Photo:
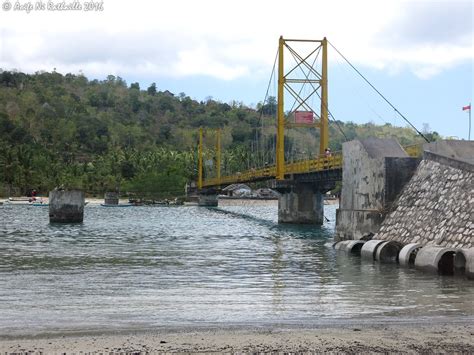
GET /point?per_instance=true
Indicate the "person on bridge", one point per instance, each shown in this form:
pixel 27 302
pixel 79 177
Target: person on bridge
pixel 327 155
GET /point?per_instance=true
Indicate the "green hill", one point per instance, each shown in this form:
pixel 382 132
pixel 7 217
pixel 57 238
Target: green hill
pixel 99 135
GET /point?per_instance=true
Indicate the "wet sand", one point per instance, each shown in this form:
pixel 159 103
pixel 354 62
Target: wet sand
pixel 375 338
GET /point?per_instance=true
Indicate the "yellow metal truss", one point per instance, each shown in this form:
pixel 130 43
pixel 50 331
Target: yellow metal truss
pixel 300 167
pixel 322 163
pixel 282 169
pixel 284 82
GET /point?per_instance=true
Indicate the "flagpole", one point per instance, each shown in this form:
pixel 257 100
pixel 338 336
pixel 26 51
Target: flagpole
pixel 470 109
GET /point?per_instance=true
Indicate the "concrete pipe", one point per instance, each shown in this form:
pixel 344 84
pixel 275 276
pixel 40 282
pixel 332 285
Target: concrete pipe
pixel 341 245
pixel 436 259
pixel 469 263
pixel 464 262
pixel 459 263
pixel 407 255
pixel 387 252
pixel 354 246
pixel 370 248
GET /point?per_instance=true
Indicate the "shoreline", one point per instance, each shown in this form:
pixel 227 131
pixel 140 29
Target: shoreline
pixel 446 335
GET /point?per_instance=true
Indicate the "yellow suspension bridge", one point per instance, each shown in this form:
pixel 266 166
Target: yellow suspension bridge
pixel 324 162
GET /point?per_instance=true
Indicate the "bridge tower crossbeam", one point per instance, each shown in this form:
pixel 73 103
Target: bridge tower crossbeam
pixel 284 82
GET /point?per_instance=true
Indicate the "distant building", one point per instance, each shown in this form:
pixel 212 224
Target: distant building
pixel 168 93
pixel 244 191
pixel 266 193
pixel 237 190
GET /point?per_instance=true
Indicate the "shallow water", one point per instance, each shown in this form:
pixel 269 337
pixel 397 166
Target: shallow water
pixel 190 266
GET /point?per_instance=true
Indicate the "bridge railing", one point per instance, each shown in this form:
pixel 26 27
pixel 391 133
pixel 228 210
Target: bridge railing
pixel 414 150
pixel 239 177
pixel 334 161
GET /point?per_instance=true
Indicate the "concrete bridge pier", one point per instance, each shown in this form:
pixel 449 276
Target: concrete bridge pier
pixel 208 197
pixel 301 204
pixel 301 196
pixel 66 206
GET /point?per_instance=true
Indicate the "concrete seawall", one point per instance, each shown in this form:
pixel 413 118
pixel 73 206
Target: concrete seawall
pixel 436 207
pixel 374 172
pixel 426 220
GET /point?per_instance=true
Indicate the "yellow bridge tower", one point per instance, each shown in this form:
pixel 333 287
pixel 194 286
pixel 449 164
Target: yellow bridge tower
pixel 320 81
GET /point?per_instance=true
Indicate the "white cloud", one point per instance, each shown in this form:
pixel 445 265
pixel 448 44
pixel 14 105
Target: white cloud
pixel 204 61
pixel 232 39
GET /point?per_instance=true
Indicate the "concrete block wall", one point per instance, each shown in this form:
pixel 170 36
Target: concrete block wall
pixel 374 172
pixel 437 206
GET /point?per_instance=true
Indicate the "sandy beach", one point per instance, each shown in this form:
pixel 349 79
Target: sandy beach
pixel 373 338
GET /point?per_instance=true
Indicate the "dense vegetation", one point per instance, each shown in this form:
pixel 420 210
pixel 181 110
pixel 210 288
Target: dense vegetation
pixel 104 135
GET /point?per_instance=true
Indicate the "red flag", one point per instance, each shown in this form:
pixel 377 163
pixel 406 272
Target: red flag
pixel 468 107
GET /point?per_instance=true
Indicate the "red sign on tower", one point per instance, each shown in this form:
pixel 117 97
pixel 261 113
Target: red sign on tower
pixel 305 117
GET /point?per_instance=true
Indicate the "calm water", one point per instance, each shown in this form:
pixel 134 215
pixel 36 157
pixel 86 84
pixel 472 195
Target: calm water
pixel 189 266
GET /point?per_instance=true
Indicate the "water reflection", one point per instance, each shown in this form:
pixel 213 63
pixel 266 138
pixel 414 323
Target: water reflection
pixel 162 266
pixel 278 281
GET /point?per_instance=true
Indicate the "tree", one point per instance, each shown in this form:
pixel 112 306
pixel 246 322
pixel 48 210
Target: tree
pixel 64 129
pixel 425 128
pixel 127 170
pixel 270 108
pixel 151 89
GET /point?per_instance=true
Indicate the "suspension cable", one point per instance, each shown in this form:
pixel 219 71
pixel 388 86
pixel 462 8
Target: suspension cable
pixel 261 110
pixel 380 94
pixel 302 86
pixel 334 119
pixel 327 108
pixel 356 92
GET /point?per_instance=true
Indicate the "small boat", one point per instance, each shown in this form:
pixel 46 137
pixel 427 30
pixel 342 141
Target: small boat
pixel 20 199
pixel 27 201
pixel 18 203
pixel 119 205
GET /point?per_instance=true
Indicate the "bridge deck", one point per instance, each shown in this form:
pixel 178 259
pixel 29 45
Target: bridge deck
pixel 323 163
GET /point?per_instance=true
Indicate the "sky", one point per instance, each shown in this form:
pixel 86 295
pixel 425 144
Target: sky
pixel 419 54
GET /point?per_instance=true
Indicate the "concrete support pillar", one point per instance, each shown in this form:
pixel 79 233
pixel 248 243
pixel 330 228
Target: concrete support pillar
pixel 301 204
pixel 111 198
pixel 66 206
pixel 207 200
pixel 374 172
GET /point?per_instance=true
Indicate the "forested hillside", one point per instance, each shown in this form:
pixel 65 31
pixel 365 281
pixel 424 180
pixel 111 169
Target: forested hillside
pixel 100 135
